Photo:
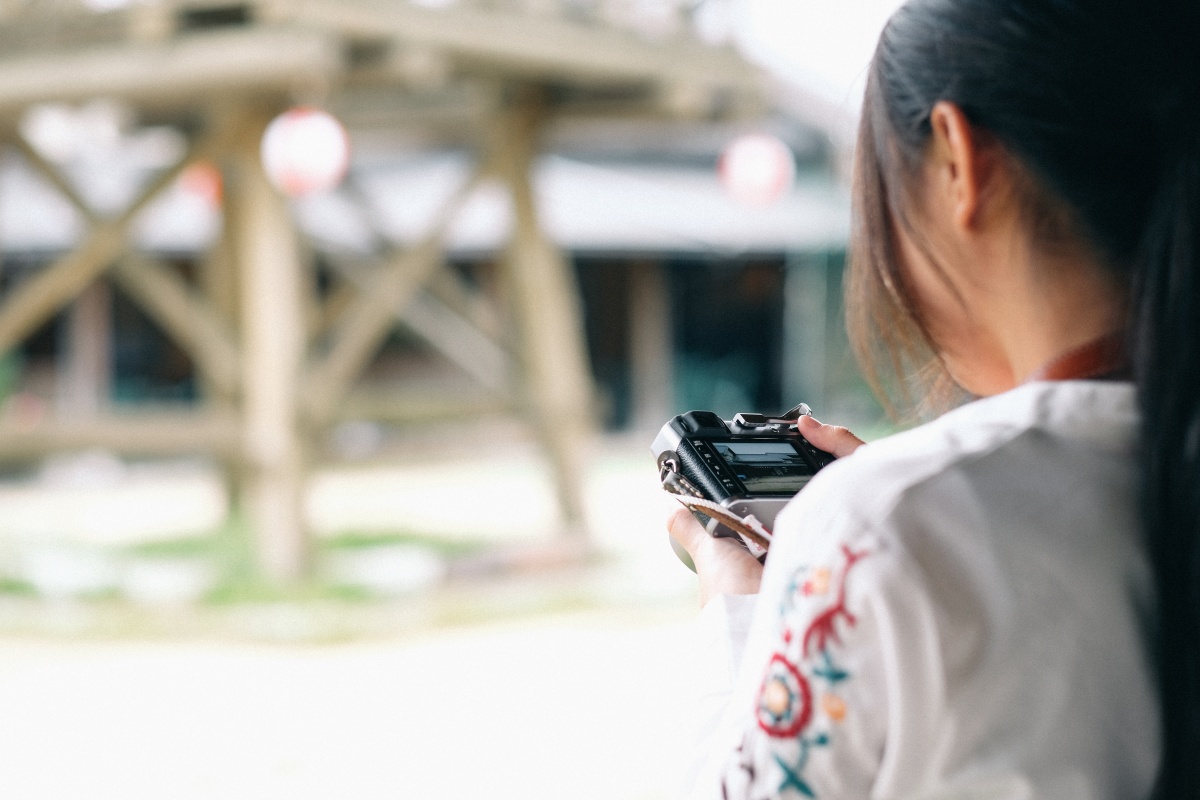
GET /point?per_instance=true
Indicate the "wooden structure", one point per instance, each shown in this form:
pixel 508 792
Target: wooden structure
pixel 488 76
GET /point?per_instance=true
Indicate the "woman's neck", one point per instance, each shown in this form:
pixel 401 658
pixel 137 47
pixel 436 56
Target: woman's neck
pixel 1064 310
pixel 1034 312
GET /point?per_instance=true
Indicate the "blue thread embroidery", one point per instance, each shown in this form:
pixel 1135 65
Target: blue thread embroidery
pixel 823 632
pixel 829 671
pixel 793 776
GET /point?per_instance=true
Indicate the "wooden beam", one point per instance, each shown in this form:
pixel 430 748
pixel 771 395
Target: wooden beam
pixel 184 314
pixel 50 173
pixel 539 45
pixel 471 304
pixel 405 407
pixel 458 339
pixel 174 71
pixel 40 297
pixel 335 306
pixel 146 434
pixel 366 323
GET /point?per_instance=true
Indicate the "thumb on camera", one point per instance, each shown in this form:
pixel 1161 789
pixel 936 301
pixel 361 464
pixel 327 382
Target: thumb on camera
pixel 831 438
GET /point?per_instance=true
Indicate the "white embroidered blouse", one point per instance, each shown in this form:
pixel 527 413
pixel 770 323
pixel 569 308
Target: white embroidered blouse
pixel 958 611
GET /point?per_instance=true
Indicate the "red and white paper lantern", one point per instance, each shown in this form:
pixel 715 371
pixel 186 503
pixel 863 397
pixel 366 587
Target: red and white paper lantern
pixel 757 169
pixel 305 151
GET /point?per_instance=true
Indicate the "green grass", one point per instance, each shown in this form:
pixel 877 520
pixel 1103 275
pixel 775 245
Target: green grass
pixel 253 590
pixel 205 546
pixel 358 540
pixel 16 587
pixel 334 611
pixel 230 548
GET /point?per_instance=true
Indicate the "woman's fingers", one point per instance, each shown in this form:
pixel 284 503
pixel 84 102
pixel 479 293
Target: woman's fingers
pixel 830 438
pixel 686 530
pixel 724 565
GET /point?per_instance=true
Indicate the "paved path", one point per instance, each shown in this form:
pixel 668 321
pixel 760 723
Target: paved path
pixel 566 707
pixel 569 708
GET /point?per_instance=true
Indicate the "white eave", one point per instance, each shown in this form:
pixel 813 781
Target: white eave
pixel 585 207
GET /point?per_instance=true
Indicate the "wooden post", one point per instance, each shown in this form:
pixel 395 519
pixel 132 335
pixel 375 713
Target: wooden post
pixel 650 345
pixel 219 280
pixel 805 329
pixel 545 301
pixel 220 283
pixel 273 343
pixel 85 366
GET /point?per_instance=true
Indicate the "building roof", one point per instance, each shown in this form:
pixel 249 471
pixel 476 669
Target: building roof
pixel 586 207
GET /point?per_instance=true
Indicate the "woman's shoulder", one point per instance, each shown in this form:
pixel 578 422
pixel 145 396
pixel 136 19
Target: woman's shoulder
pixel 983 562
pixel 987 449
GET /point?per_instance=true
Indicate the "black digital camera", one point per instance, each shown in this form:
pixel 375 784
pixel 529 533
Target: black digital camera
pixel 751 465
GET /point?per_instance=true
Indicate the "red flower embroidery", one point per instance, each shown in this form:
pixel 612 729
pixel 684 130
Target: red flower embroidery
pixel 785 702
pixel 823 629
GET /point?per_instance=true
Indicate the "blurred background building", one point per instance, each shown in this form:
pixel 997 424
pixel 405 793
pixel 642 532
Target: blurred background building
pixel 342 318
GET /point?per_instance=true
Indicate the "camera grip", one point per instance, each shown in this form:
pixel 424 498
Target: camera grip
pixel 694 470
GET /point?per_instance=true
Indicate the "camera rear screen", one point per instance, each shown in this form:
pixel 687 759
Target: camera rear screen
pixel 766 467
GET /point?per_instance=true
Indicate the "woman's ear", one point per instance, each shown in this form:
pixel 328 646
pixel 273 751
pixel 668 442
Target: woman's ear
pixel 956 164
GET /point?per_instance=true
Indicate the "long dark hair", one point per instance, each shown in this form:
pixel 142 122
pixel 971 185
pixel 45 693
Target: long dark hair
pixel 1098 103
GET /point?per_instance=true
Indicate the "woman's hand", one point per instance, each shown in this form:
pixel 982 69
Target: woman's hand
pixel 724 565
pixel 832 439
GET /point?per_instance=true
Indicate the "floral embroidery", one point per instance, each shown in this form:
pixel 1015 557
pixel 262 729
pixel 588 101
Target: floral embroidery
pixel 830 671
pixel 833 706
pixel 743 763
pixel 823 629
pixel 785 700
pixel 803 677
pixel 818 584
pixel 793 776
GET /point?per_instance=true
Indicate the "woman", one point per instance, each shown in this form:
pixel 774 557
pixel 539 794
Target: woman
pixel 1004 602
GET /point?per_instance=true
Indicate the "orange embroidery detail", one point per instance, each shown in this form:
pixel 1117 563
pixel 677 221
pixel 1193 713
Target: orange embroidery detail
pixel 818 584
pixel 834 707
